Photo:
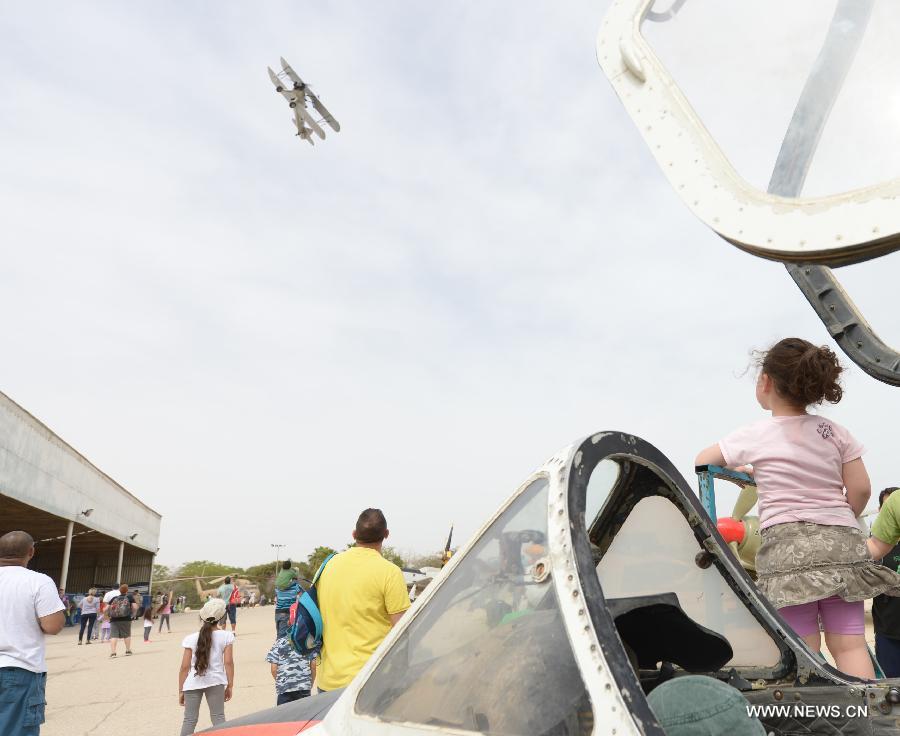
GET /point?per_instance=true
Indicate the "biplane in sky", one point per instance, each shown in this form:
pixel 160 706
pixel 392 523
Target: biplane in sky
pixel 298 93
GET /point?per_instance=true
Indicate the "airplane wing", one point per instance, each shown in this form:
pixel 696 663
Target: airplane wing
pixel 279 85
pixel 291 73
pixel 307 118
pixel 322 110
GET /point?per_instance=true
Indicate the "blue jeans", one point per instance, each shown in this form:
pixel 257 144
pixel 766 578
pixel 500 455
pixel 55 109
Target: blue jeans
pixel 887 652
pixel 21 701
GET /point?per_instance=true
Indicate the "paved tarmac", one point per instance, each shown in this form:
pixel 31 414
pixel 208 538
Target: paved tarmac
pixel 90 693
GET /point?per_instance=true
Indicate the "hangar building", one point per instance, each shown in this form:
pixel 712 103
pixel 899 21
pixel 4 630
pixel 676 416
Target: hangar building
pixel 88 530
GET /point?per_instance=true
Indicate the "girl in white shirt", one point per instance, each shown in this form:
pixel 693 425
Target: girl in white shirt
pixel 148 623
pixel 207 667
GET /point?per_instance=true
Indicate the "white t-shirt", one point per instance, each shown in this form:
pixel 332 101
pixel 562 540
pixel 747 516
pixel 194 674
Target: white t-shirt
pixel 215 672
pixel 25 596
pixel 111 594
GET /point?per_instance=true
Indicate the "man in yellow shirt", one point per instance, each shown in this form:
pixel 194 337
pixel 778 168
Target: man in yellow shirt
pixel 361 596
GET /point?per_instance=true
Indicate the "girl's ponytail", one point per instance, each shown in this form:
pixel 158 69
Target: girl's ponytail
pixel 803 373
pixel 204 644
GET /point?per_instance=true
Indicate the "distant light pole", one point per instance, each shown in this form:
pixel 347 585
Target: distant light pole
pixel 277 554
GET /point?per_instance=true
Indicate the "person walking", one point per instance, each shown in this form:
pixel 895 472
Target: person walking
pixel 30 607
pixel 90 604
pixel 361 596
pixel 231 595
pixel 165 610
pixel 207 668
pixel 287 588
pixel 120 610
pixel 813 563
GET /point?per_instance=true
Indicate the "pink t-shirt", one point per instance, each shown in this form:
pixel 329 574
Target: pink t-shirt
pixel 797 463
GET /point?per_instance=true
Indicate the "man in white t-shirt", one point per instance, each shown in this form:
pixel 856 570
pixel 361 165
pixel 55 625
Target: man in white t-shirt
pixel 29 608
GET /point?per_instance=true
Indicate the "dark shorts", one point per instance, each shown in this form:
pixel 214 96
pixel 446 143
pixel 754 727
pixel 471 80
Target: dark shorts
pixel 21 701
pixel 120 629
pixel 887 651
pixel 291 696
pixel 231 611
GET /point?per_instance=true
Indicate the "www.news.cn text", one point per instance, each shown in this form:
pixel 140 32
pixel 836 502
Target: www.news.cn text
pixel 805 711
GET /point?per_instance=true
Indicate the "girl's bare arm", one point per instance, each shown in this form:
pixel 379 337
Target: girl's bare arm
pixel 229 671
pixel 183 672
pixel 712 455
pixel 858 485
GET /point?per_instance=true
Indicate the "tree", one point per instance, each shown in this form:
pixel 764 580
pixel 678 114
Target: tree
pixel 161 572
pixel 391 555
pixel 432 560
pixel 316 558
pixel 205 570
pixel 264 576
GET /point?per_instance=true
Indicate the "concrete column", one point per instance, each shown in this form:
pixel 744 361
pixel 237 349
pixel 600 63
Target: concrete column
pixel 119 566
pixel 64 574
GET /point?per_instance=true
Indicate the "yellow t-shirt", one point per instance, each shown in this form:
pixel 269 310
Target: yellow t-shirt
pixel 358 591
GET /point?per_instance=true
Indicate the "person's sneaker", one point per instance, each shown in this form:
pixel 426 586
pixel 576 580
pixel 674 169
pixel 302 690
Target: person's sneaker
pixel 87 642
pixel 127 652
pixel 79 643
pixel 113 654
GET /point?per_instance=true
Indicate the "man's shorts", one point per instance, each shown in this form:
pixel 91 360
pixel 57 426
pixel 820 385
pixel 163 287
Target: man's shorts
pixel 120 629
pixel 22 701
pixel 231 610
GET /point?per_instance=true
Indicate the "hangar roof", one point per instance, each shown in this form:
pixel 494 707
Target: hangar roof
pixel 40 470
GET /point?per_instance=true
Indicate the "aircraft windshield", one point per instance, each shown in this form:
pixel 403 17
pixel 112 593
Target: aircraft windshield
pixel 489 653
pixel 654 552
pixel 743 66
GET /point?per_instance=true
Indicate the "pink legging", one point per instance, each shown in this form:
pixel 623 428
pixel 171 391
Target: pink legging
pixel 838 616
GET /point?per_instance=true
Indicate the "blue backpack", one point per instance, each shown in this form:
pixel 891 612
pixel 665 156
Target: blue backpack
pixel 305 633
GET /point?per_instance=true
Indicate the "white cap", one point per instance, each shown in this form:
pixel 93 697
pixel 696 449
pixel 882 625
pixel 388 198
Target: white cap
pixel 213 610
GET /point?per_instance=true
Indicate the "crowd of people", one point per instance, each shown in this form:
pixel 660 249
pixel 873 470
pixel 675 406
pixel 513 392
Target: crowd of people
pixel 815 564
pixel 360 596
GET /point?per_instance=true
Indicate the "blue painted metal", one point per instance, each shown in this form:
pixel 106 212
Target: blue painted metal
pixel 706 475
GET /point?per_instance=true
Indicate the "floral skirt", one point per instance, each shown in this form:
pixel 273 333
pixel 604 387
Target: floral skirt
pixel 800 562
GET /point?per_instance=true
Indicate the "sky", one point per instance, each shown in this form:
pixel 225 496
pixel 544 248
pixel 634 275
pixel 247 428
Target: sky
pixel 259 338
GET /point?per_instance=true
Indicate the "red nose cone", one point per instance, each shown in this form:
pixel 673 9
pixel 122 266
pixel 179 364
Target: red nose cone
pixel 731 530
